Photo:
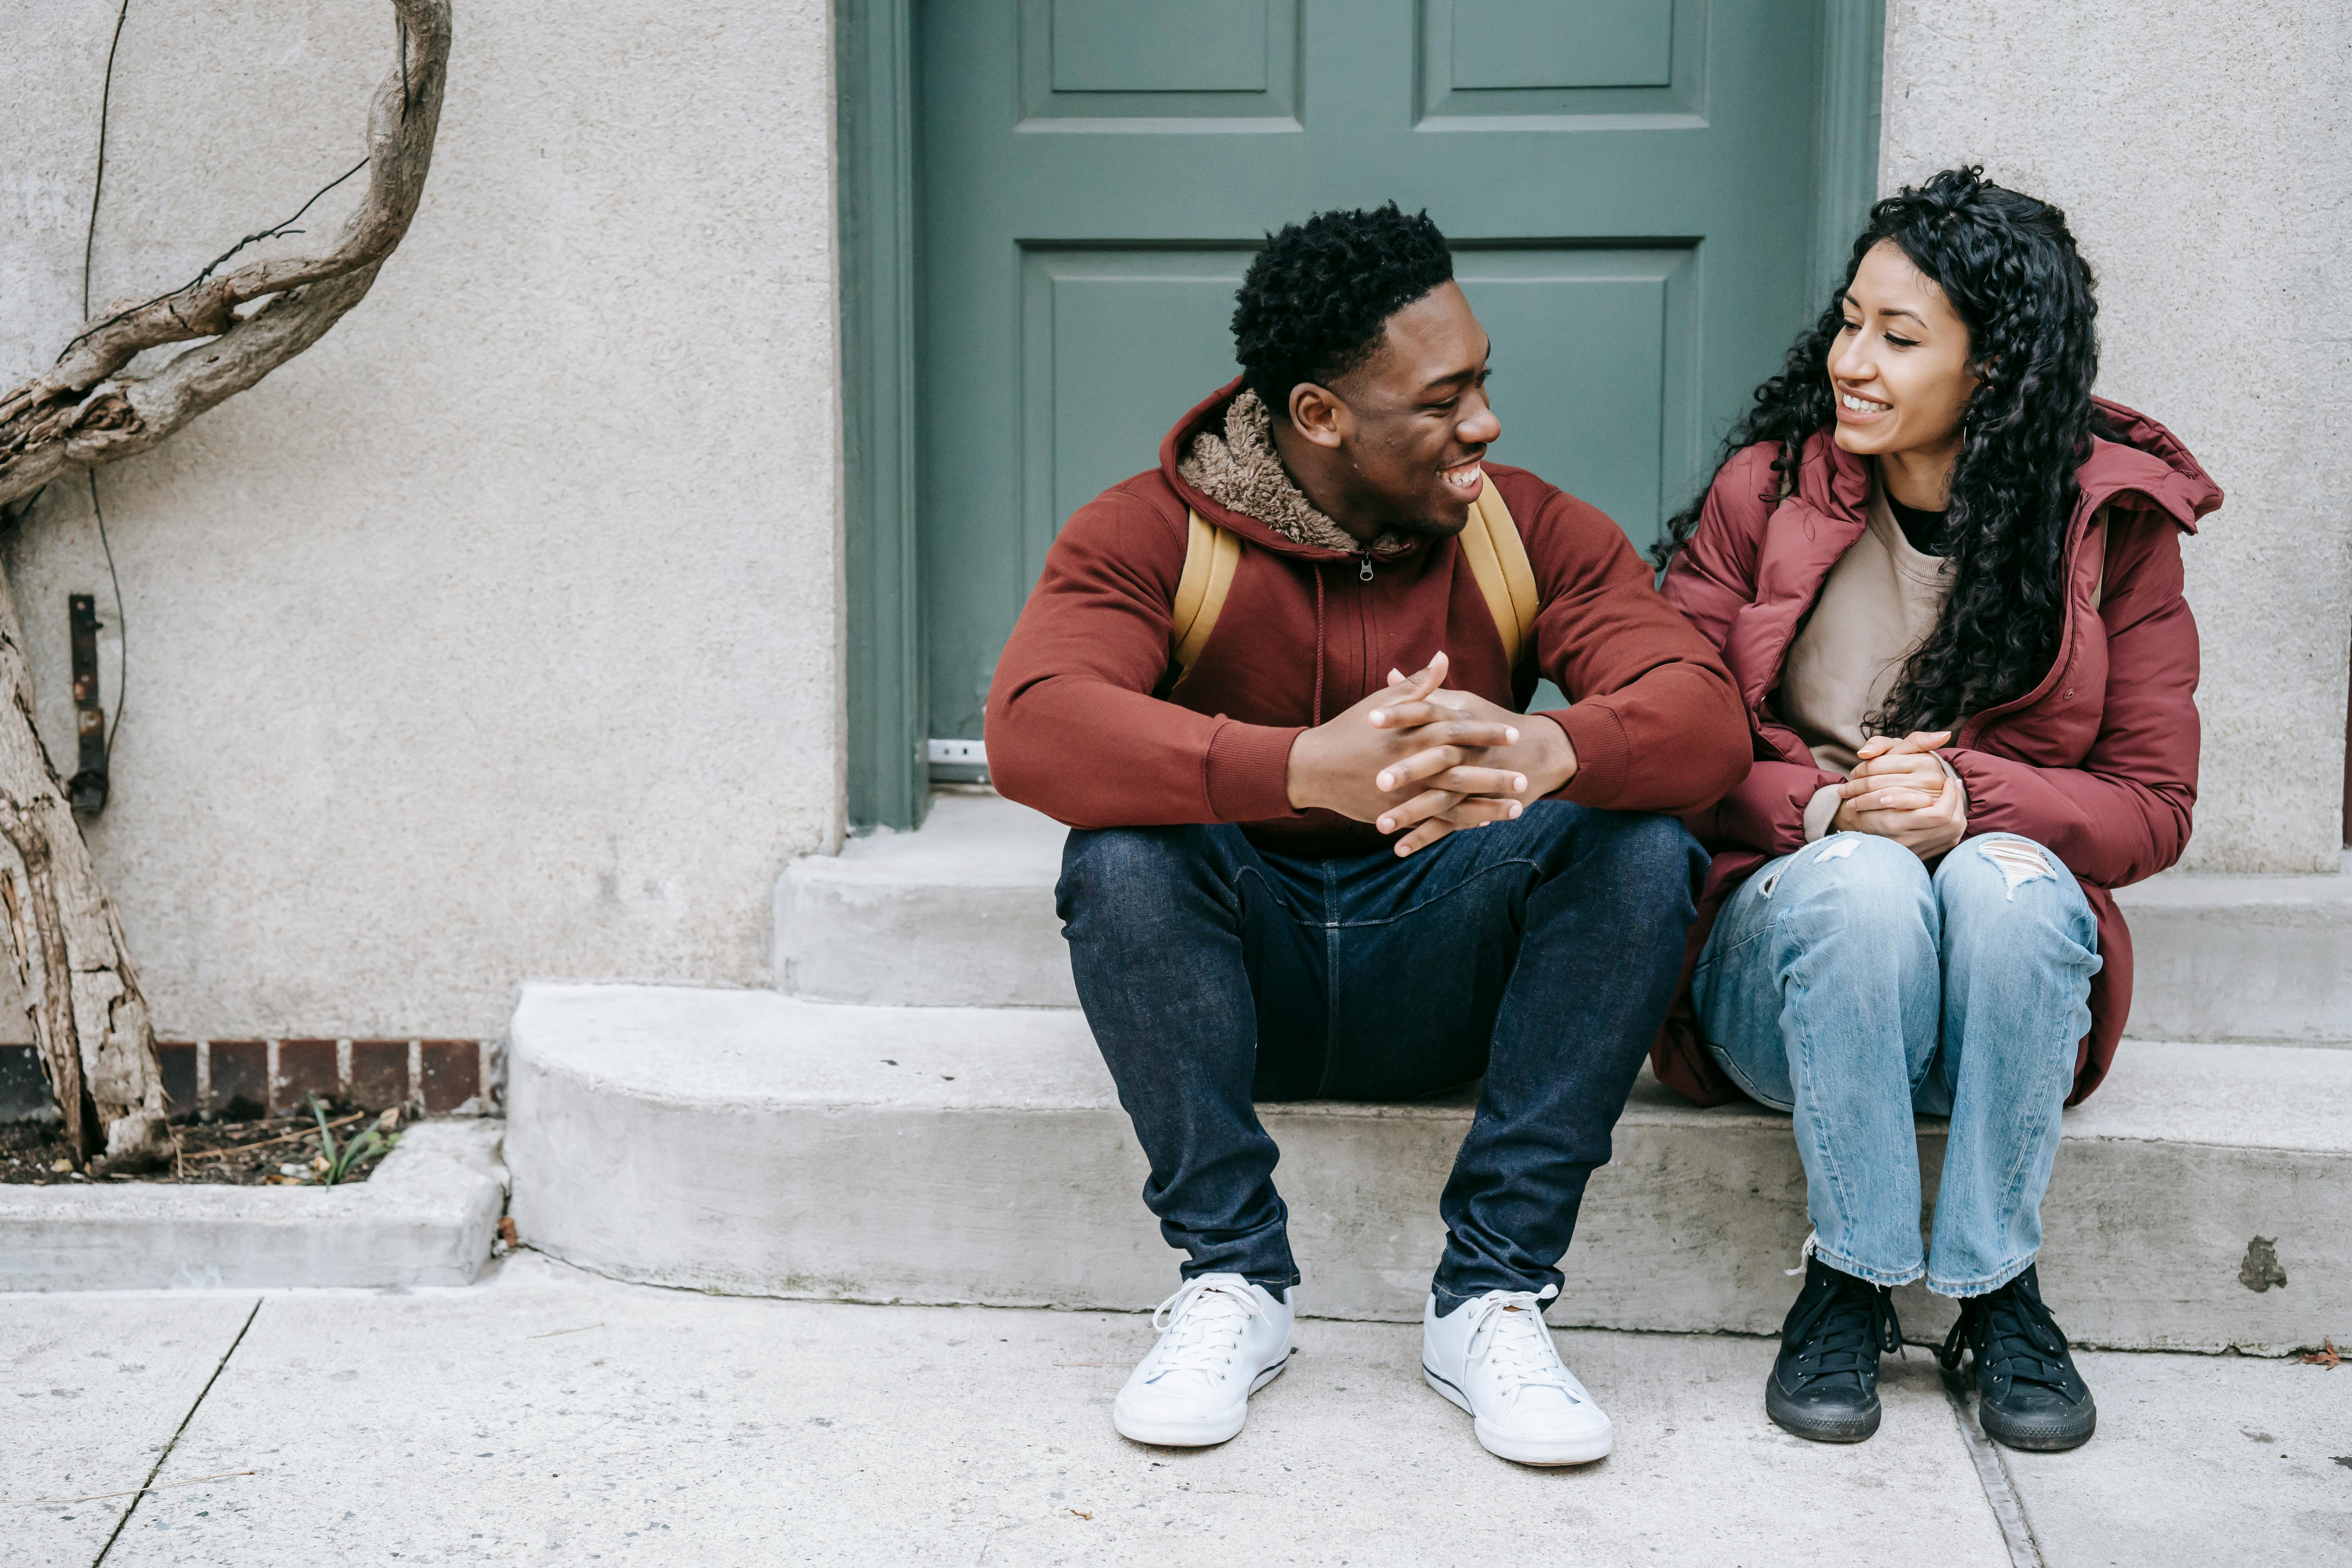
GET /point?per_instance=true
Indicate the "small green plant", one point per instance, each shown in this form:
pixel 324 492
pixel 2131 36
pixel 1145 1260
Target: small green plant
pixel 336 1162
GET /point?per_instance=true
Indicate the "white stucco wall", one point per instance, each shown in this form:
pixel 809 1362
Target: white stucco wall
pixel 2202 150
pixel 498 636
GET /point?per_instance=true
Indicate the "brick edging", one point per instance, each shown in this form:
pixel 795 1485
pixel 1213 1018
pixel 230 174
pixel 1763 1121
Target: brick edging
pixel 276 1076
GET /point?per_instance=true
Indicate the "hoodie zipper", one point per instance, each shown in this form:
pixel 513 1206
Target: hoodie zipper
pixel 1364 567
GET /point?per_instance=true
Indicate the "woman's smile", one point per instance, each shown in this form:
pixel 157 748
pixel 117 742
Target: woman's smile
pixel 1853 408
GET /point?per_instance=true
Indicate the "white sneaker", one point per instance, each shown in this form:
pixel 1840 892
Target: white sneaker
pixel 1495 1358
pixel 1222 1340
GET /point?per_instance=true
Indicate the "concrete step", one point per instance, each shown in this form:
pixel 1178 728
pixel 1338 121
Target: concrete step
pixel 960 914
pixel 2242 958
pixel 426 1216
pixel 752 1144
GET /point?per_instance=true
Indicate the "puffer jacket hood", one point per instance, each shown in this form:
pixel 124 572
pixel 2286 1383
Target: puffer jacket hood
pixel 2148 470
pixel 2150 465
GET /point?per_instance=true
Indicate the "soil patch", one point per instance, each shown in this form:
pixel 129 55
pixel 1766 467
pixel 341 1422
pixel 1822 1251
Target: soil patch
pixel 214 1154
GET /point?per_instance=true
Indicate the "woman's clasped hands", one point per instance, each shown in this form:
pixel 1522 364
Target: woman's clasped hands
pixel 1900 790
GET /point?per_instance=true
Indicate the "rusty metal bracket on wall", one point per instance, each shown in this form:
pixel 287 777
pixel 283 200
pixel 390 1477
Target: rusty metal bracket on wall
pixel 86 788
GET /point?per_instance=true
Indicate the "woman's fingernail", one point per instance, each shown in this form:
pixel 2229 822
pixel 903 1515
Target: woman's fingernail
pixel 1511 736
pixel 1386 825
pixel 1519 781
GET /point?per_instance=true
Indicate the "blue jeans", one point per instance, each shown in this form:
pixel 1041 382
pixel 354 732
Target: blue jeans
pixel 1540 953
pixel 1848 985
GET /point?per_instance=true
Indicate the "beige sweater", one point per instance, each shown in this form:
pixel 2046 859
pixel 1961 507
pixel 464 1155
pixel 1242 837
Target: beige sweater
pixel 1876 606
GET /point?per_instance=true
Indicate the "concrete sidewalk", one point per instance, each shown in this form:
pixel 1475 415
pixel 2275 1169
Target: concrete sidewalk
pixel 550 1416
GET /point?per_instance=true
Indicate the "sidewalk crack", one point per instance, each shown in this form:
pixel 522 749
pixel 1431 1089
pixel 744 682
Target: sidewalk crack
pixel 2008 1508
pixel 144 1487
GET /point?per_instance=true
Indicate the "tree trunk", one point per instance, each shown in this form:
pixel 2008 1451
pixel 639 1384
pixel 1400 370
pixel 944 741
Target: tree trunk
pixel 90 1024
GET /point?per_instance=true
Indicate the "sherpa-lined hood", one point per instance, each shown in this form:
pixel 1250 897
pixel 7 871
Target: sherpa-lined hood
pixel 1220 459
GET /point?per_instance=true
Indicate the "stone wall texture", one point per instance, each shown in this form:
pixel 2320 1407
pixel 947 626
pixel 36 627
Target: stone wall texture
pixel 2202 150
pixel 499 635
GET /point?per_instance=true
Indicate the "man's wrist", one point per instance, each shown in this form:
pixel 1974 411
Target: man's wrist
pixel 1296 773
pixel 1555 763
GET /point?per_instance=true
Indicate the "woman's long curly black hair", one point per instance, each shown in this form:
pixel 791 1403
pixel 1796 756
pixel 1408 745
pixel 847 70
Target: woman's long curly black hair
pixel 2007 264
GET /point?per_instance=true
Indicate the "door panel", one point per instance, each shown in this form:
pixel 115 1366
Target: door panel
pixel 1592 369
pixel 1098 61
pixel 1111 342
pixel 1158 45
pixel 1554 44
pixel 1627 183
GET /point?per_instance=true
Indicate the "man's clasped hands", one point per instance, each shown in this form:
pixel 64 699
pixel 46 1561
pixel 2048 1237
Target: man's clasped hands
pixel 1417 758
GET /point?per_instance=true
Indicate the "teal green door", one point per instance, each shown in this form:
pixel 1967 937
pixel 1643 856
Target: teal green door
pixel 1628 186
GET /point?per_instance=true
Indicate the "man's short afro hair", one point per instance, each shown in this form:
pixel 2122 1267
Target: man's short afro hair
pixel 1315 301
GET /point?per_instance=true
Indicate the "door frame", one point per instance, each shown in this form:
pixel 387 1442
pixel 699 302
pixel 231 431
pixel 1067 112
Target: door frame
pixel 875 48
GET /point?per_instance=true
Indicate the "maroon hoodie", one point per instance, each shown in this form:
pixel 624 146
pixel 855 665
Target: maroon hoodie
pixel 2097 763
pixel 1085 724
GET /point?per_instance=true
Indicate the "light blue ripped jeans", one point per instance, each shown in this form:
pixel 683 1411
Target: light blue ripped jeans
pixel 1847 986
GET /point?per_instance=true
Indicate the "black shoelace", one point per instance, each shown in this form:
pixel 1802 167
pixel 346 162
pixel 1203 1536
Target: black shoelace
pixel 1844 1330
pixel 2014 1337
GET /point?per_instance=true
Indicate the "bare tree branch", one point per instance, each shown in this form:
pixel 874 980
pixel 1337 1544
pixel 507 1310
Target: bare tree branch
pixel 90 1021
pixel 84 410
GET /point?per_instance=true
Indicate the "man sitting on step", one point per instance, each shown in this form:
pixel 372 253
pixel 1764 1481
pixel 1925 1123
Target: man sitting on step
pixel 1265 892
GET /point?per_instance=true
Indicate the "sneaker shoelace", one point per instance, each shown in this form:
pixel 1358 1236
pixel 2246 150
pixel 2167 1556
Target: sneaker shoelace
pixel 1508 1333
pixel 1202 1325
pixel 1844 1330
pixel 2014 1336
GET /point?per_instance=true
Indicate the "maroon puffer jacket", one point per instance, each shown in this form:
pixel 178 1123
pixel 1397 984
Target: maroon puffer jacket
pixel 2097 763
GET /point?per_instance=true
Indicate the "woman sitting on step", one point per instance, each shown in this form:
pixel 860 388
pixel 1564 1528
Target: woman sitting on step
pixel 1947 580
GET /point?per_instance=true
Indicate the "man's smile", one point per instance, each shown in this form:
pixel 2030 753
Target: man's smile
pixel 1467 479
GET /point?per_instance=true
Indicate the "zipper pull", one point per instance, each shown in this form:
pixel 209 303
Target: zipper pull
pixel 1364 569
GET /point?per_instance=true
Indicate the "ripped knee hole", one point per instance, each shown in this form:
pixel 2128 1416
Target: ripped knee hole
pixel 2019 862
pixel 1834 848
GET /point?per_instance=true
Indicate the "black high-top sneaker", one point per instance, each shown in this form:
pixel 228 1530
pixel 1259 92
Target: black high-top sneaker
pixel 1824 1383
pixel 2029 1394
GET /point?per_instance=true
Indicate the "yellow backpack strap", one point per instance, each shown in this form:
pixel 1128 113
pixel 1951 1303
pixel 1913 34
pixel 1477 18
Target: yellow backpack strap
pixel 1210 554
pixel 1498 560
